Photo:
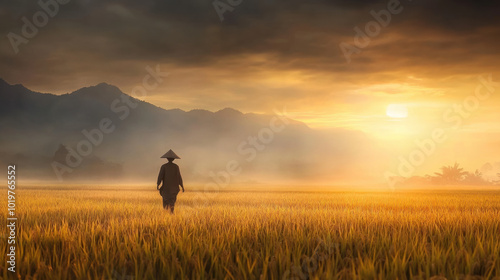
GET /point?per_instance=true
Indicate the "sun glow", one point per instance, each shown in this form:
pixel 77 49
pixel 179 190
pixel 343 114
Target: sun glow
pixel 397 111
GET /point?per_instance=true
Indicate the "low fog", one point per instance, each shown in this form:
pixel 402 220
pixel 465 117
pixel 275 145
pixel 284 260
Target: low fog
pixel 99 133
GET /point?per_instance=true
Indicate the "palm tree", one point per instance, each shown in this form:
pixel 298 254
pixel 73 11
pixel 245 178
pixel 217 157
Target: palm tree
pixel 451 174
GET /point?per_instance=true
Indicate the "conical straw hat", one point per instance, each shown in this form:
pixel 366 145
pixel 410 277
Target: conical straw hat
pixel 170 154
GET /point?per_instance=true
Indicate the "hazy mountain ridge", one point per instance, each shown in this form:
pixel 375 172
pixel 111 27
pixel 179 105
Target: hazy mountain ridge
pixel 38 123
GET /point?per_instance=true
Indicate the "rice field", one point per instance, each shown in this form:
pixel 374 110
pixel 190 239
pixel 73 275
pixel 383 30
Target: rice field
pixel 89 233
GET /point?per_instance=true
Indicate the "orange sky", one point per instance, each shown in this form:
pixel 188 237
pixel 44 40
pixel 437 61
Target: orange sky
pixel 272 55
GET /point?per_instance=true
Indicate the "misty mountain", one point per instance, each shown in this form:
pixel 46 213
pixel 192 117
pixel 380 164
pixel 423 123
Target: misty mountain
pixel 110 130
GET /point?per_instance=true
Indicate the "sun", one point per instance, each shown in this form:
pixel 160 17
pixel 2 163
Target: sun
pixel 397 111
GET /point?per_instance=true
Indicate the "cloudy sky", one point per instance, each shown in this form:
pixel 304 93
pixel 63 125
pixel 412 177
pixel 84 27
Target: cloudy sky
pixel 257 55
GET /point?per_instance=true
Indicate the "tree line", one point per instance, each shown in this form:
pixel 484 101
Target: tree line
pixel 453 175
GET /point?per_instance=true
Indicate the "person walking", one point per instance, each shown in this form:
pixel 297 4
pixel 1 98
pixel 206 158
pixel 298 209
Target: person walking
pixel 170 178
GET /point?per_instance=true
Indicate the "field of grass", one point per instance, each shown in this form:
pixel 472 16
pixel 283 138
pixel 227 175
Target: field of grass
pixel 125 234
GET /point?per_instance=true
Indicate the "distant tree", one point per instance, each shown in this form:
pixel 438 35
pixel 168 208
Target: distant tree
pixel 451 174
pixel 475 178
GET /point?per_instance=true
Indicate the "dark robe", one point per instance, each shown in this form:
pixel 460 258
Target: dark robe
pixel 170 175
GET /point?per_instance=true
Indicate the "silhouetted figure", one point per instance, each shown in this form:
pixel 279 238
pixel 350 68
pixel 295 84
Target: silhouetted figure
pixel 170 175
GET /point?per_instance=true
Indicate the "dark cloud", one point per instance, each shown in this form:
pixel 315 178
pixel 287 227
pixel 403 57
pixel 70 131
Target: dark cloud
pixel 89 39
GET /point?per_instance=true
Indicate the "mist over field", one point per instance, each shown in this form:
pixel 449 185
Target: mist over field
pixel 100 134
pixel 107 135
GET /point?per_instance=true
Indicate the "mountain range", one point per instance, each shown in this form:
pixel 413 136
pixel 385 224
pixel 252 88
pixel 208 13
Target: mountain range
pixel 99 132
